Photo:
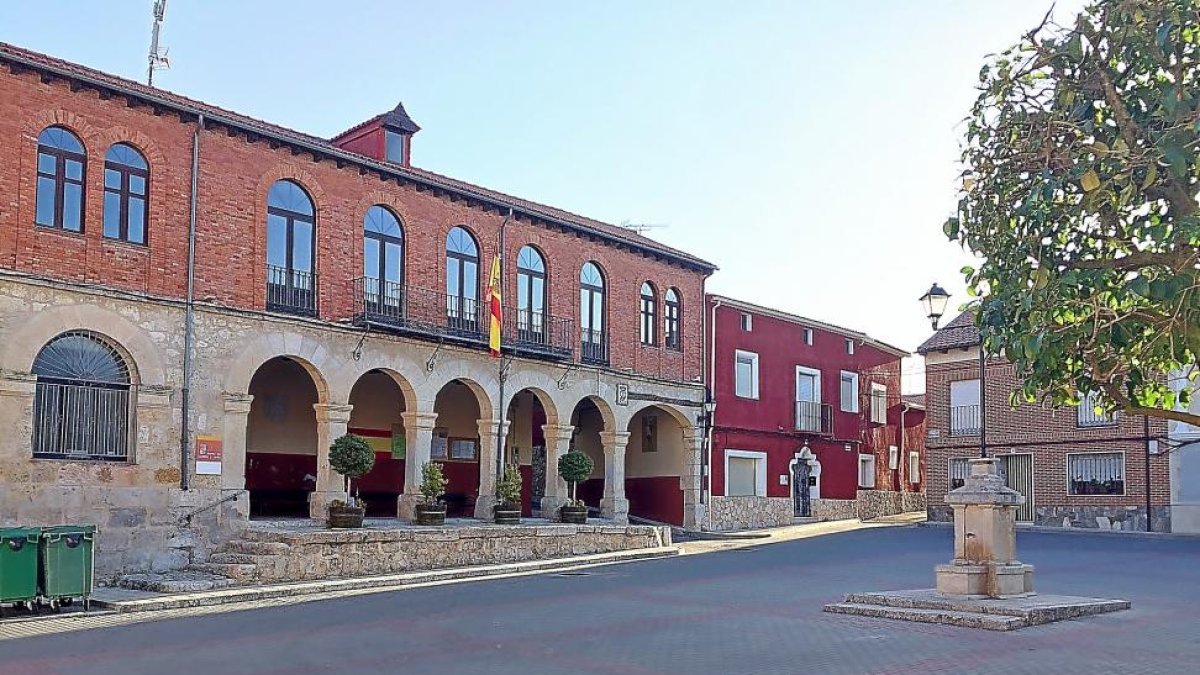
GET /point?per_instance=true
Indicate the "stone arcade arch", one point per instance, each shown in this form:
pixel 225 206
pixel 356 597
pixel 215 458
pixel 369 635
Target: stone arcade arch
pixel 378 404
pixel 531 442
pixel 282 440
pixel 657 459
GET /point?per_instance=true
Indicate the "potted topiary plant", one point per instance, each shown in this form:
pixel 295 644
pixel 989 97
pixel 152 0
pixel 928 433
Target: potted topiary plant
pixel 508 497
pixel 433 485
pixel 574 467
pixel 352 457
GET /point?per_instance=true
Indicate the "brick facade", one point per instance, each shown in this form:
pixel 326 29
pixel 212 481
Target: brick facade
pixel 1049 435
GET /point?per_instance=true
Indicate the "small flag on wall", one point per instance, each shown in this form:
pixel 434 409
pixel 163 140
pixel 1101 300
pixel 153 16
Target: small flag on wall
pixel 494 308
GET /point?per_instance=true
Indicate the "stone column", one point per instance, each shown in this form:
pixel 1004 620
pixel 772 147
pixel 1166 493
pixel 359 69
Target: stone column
pixel 558 441
pixel 332 419
pixel 691 479
pixel 614 504
pixel 418 441
pixel 487 466
pixel 985 538
pixel 233 447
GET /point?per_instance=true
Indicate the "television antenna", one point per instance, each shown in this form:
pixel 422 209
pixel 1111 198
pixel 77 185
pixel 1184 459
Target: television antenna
pixel 641 228
pixel 156 59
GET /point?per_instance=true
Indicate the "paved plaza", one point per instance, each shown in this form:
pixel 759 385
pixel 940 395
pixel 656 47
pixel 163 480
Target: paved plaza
pixel 745 610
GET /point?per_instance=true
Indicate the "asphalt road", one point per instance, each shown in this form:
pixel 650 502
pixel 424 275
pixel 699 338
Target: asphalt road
pixel 752 610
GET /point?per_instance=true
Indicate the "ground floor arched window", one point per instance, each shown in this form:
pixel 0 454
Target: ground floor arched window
pixel 81 402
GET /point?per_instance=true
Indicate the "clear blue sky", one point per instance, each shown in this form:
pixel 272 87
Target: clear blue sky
pixel 807 148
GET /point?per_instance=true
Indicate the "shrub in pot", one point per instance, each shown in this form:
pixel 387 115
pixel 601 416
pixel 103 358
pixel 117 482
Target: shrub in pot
pixel 433 485
pixel 352 457
pixel 574 467
pixel 508 496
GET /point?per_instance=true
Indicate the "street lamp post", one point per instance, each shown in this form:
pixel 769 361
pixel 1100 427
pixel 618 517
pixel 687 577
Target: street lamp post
pixel 935 301
pixel 705 420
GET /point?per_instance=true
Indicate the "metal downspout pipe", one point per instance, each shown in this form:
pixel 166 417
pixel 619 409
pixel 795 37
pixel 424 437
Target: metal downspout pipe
pixel 189 328
pixel 712 421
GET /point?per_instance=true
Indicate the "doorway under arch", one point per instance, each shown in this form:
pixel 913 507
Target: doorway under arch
pixel 281 440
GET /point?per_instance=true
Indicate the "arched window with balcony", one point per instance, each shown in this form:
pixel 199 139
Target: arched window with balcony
pixel 531 295
pixel 383 262
pixel 81 399
pixel 594 337
pixel 291 248
pixel 648 315
pixel 462 281
pixel 126 194
pixel 672 313
pixel 61 166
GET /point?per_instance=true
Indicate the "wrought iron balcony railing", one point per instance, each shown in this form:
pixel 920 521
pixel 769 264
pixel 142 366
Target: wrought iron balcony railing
pixel 291 291
pixel 420 311
pixel 964 420
pixel 593 347
pixel 814 417
pixel 537 333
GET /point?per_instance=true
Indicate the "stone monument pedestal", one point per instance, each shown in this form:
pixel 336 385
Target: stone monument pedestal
pixel 984 586
pixel 985 561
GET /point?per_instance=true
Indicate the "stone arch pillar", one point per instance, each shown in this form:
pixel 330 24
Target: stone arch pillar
pixel 487 466
pixel 233 473
pixel 332 419
pixel 419 424
pixel 614 504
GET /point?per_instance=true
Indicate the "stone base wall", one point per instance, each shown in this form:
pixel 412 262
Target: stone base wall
pixel 324 554
pixel 879 503
pixel 834 509
pixel 1117 518
pixel 749 513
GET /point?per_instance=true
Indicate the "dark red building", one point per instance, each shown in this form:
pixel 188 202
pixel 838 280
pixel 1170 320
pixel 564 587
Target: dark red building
pixel 790 391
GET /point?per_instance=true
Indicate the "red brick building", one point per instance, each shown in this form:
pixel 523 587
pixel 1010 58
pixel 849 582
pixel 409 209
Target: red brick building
pixel 1076 467
pixel 180 274
pixel 801 399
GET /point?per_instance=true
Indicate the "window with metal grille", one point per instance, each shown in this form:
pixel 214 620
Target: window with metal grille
pixel 959 470
pixel 81 400
pixel 1096 473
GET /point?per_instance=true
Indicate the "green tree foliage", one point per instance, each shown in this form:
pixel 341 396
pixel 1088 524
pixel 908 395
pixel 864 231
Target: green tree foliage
pixel 351 456
pixel 1080 196
pixel 508 488
pixel 575 467
pixel 433 482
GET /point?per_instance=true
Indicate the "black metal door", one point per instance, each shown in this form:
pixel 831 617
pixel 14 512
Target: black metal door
pixel 800 492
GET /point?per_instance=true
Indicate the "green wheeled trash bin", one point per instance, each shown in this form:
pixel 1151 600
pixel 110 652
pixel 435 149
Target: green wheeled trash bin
pixel 67 561
pixel 19 565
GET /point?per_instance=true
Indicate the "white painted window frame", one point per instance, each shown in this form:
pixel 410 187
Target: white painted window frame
pixel 879 416
pixel 853 395
pixel 914 467
pixel 864 458
pixel 760 470
pixel 1124 472
pixel 753 356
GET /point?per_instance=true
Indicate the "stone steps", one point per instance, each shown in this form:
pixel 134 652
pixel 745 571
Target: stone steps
pixel 231 558
pixel 181 581
pixel 947 617
pixel 256 547
pixel 927 606
pixel 238 573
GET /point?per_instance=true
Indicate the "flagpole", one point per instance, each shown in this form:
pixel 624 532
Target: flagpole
pixel 500 353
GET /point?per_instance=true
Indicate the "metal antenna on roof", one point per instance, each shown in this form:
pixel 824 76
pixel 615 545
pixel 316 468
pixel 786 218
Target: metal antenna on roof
pixel 157 60
pixel 640 228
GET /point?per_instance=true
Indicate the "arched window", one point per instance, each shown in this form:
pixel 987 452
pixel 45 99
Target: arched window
pixel 462 280
pixel 649 315
pixel 594 346
pixel 81 400
pixel 531 295
pixel 60 170
pixel 126 186
pixel 291 284
pixel 672 316
pixel 383 260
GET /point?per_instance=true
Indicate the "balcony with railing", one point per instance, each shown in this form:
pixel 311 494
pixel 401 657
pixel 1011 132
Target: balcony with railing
pixel 1087 416
pixel 538 334
pixel 429 314
pixel 593 347
pixel 964 420
pixel 814 417
pixel 291 291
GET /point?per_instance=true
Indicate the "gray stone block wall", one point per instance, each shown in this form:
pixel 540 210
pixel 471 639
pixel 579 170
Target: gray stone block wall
pixel 879 503
pixel 749 513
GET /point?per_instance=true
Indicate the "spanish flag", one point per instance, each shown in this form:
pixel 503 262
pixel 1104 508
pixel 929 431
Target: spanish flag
pixel 494 308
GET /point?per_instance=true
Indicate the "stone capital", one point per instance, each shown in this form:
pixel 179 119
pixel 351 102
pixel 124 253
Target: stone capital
pixel 419 420
pixel 238 404
pixel 488 428
pixel 150 396
pixel 613 438
pixel 333 412
pixel 559 434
